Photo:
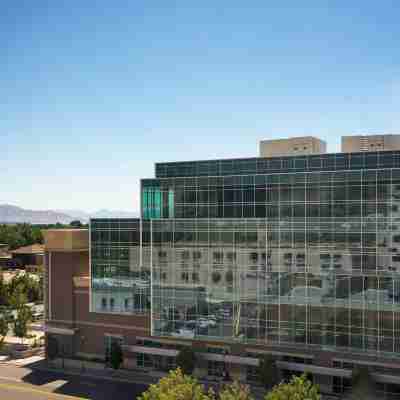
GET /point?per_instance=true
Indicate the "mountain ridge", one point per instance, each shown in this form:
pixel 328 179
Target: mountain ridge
pixel 13 214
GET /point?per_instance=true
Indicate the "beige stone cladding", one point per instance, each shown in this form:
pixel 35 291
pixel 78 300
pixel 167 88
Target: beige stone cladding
pixel 292 146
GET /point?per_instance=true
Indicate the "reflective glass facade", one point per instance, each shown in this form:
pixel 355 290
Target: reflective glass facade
pixel 300 250
pixel 120 265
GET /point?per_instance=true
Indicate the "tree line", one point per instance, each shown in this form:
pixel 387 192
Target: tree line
pixel 19 235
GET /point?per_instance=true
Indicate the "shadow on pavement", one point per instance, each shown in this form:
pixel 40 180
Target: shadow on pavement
pixel 81 386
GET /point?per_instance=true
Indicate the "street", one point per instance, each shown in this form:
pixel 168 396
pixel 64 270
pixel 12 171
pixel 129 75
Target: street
pixel 17 383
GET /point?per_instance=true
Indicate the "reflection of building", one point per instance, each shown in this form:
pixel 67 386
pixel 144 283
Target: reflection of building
pixel 351 144
pixel 297 256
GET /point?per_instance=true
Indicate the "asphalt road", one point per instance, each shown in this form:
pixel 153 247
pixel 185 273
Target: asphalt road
pixel 21 383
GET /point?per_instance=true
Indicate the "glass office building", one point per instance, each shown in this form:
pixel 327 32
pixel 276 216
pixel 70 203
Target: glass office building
pixel 298 250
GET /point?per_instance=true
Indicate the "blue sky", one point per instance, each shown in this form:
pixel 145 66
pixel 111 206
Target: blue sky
pixel 93 95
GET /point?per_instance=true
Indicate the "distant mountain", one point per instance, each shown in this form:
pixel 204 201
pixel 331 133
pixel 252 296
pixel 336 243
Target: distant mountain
pixel 84 216
pixel 12 214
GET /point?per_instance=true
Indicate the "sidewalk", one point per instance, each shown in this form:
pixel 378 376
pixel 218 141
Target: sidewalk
pixel 127 376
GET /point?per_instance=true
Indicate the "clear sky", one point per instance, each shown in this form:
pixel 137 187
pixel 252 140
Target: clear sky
pixel 93 95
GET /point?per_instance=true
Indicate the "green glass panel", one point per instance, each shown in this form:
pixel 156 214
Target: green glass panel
pixel 171 211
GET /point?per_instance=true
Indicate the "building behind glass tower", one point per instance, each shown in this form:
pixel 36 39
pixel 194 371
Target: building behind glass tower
pixel 297 255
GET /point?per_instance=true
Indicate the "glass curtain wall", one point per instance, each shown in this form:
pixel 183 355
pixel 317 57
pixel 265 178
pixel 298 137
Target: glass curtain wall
pixel 322 267
pixel 120 266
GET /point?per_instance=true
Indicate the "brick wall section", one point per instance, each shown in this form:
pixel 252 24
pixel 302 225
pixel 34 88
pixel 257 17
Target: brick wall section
pixel 70 306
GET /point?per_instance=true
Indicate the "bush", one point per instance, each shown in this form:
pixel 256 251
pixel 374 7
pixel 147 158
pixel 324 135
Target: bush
pixel 235 391
pixel 3 328
pixel 177 386
pixel 299 388
pixel 267 371
pixel 186 360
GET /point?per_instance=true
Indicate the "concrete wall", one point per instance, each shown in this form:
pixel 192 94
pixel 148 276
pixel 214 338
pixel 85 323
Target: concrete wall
pixel 292 146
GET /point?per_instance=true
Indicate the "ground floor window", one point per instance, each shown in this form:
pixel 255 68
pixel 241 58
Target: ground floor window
pixel 108 341
pixel 216 368
pixel 252 373
pixel 387 391
pixel 144 360
pixel 159 363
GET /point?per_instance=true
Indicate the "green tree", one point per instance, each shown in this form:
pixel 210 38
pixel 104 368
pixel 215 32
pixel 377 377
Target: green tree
pixel 24 316
pixel 299 388
pixel 3 328
pixel 26 286
pixel 235 391
pixel 363 387
pixel 186 360
pixel 20 235
pixel 177 386
pixel 116 355
pixel 52 347
pixel 267 371
pixel 4 298
pixel 76 223
pixel 17 295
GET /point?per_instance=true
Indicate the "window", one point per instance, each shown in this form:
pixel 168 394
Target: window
pixel 126 303
pixel 112 303
pixel 108 341
pixel 216 368
pixel 253 257
pixel 252 374
pixel 185 276
pixel 103 303
pixel 218 257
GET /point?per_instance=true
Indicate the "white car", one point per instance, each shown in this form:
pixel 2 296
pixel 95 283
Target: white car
pixel 185 333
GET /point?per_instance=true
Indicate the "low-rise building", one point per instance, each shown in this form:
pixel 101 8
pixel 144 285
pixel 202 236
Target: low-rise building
pixel 29 255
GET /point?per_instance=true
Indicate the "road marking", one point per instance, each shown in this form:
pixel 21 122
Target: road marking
pixel 34 390
pixel 55 384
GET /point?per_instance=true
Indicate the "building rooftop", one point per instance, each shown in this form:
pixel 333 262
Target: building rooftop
pixel 32 249
pixel 281 164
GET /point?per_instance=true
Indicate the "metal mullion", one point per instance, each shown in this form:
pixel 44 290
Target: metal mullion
pixel 279 263
pixel 362 260
pixel 391 261
pixel 151 280
pixel 267 274
pixel 306 259
pixel 376 265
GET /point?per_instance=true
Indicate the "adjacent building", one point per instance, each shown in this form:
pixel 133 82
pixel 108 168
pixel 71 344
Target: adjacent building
pixel 372 143
pixel 292 146
pixel 297 256
pixel 29 256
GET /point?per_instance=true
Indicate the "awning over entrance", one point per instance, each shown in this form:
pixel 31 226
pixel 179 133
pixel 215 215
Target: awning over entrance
pixel 314 369
pixel 230 359
pixel 152 350
pixel 59 331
